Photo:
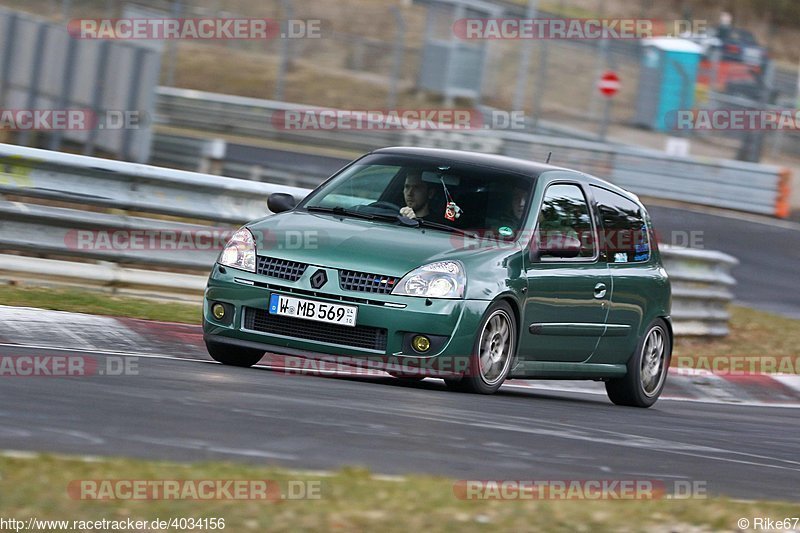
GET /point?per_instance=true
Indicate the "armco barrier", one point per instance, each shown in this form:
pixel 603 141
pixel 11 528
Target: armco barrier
pixel 197 154
pixel 138 196
pixel 729 184
pixel 701 290
pixel 100 182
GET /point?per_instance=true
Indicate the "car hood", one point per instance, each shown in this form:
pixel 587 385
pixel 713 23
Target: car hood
pixel 356 244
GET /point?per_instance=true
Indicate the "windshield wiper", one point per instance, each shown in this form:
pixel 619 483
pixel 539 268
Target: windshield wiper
pixel 445 227
pixel 344 212
pixel 340 211
pixel 412 222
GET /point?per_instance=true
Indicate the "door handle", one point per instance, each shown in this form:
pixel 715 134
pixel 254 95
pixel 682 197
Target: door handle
pixel 600 290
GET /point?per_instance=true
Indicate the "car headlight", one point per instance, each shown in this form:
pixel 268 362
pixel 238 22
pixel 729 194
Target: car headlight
pixel 240 251
pixel 443 279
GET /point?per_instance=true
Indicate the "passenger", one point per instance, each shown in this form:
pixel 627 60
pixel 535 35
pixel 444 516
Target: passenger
pixel 508 222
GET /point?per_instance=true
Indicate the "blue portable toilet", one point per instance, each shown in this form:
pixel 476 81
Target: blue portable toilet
pixel 667 81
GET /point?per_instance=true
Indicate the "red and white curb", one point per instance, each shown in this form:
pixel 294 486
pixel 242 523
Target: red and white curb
pixel 46 329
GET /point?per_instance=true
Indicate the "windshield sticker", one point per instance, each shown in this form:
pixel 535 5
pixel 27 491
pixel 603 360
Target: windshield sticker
pixel 505 231
pixel 621 257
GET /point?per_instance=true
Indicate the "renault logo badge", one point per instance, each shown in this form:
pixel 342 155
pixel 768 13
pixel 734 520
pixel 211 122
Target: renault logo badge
pixel 319 279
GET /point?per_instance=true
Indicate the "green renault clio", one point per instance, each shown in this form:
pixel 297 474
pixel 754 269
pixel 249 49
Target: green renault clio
pixel 469 267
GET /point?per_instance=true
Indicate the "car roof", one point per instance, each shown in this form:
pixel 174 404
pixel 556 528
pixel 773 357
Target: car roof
pixel 503 163
pixel 499 162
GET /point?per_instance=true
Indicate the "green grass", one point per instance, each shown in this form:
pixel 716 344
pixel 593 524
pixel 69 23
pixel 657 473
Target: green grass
pixel 753 334
pixel 99 303
pixel 349 500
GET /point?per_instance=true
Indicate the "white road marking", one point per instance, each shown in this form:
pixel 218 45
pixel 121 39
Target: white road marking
pixel 788 380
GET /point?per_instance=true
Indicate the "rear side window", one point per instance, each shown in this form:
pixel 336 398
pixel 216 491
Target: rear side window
pixel 624 234
pixel 565 213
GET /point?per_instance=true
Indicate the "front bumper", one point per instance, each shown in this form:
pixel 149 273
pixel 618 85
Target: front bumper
pixel 452 322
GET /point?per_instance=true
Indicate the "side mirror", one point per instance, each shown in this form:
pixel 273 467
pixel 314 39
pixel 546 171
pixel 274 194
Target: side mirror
pixel 562 246
pixel 278 202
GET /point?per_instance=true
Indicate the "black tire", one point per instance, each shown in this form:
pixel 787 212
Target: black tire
pixel 231 356
pixel 475 379
pixel 634 391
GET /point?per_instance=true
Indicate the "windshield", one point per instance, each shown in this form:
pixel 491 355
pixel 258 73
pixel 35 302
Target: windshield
pixel 440 194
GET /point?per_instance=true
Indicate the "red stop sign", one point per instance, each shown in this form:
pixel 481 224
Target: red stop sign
pixel 609 83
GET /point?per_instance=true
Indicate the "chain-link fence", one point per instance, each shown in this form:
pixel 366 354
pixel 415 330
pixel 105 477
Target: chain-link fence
pixel 373 55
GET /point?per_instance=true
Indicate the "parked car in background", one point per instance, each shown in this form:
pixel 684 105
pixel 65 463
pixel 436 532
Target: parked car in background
pixel 734 44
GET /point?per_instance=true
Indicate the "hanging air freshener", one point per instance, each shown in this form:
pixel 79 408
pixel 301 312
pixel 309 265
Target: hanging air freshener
pixel 451 210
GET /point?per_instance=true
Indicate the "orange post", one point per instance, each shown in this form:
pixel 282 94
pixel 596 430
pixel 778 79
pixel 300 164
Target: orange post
pixel 782 205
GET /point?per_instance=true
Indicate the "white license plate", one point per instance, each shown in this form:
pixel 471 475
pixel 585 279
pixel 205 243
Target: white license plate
pixel 344 315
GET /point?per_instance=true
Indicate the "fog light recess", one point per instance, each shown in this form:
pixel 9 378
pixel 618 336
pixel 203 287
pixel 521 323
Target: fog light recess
pixel 421 343
pixel 218 310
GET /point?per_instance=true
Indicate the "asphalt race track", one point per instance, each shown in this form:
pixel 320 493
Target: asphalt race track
pixel 188 410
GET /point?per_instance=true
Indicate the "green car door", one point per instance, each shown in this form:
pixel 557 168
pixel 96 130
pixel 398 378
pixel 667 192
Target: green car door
pixel 641 286
pixel 568 288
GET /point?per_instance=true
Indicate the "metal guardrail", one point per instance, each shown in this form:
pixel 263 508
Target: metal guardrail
pixel 139 196
pixel 209 156
pixel 701 290
pixel 63 232
pixel 253 117
pixel 35 173
pixel 749 187
pixel 105 276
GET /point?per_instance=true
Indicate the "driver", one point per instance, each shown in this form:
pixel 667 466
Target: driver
pixel 417 195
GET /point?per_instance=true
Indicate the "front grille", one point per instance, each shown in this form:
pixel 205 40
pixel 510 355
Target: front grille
pixel 351 280
pixel 280 268
pixel 365 337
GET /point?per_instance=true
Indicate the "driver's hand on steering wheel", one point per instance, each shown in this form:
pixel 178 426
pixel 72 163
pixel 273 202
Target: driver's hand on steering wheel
pixel 408 212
